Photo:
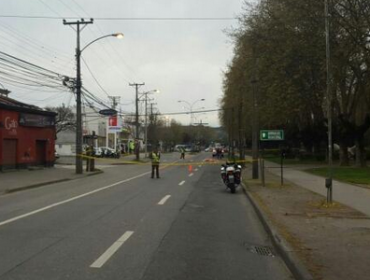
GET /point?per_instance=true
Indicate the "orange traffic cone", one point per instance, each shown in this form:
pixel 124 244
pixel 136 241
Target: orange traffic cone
pixel 190 168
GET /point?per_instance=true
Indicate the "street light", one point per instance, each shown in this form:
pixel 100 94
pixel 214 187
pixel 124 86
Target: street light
pixel 191 105
pixel 117 35
pixel 79 166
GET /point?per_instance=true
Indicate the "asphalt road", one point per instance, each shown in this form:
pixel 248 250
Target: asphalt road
pixel 124 225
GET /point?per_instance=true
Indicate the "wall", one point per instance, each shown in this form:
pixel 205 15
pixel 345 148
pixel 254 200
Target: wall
pixel 26 137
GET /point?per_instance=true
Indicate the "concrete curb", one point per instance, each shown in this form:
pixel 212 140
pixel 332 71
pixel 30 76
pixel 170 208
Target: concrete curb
pixel 286 252
pixel 33 186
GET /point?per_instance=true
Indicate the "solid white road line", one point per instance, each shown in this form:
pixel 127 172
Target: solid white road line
pixel 69 200
pixel 181 183
pixel 191 174
pixel 163 200
pixel 111 250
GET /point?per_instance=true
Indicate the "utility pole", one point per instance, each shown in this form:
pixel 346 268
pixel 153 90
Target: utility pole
pixel 146 123
pixel 232 135
pixel 254 121
pixel 79 167
pixel 137 148
pixel 115 100
pixel 329 180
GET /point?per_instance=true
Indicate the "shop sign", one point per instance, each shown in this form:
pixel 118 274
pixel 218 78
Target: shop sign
pixel 36 120
pixel 11 125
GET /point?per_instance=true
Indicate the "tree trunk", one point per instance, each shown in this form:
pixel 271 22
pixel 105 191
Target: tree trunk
pixel 343 155
pixel 360 152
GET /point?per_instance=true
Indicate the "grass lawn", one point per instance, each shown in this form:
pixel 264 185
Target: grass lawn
pixel 345 174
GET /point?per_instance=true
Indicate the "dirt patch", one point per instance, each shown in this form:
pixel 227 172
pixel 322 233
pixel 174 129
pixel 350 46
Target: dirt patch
pixel 333 241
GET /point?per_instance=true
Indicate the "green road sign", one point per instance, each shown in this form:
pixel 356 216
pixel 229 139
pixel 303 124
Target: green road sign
pixel 272 135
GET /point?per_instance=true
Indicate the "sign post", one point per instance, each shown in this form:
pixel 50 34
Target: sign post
pixel 274 135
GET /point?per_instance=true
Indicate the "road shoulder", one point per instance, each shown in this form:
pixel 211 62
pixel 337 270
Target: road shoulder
pixel 315 241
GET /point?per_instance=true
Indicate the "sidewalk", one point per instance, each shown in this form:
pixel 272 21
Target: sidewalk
pixel 333 243
pixel 351 195
pixel 70 160
pixel 17 180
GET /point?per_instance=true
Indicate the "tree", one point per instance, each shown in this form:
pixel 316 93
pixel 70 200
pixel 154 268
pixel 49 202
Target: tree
pixel 65 120
pixel 280 49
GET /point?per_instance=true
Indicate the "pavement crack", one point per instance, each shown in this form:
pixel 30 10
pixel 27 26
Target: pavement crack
pixel 31 257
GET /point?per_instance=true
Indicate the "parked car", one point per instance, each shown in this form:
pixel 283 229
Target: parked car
pixel 109 152
pixel 98 152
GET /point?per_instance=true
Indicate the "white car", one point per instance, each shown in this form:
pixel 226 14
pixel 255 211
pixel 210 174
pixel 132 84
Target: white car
pixel 98 152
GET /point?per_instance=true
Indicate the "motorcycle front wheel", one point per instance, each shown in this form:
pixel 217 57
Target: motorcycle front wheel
pixel 232 188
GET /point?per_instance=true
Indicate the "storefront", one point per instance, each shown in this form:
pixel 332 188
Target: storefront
pixel 27 135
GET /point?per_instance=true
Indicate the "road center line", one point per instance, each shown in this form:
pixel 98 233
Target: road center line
pixel 163 200
pixel 191 174
pixel 181 183
pixel 111 250
pixel 70 199
pixel 74 198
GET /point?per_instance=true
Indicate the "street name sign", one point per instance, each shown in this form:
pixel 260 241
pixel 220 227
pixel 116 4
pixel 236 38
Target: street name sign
pixel 272 135
pixel 108 112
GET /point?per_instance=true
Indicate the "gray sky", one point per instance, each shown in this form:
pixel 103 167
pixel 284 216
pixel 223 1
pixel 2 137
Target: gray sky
pixel 183 59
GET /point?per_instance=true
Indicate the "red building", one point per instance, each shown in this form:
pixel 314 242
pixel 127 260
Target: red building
pixel 27 135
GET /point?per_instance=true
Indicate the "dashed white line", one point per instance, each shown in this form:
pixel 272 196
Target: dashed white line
pixel 191 174
pixel 111 250
pixel 196 169
pixel 181 183
pixel 163 200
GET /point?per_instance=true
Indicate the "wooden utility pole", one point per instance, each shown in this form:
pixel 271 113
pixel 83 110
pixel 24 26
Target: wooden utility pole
pixel 137 135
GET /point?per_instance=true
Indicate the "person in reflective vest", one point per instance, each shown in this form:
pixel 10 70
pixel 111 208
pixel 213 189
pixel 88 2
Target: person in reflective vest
pixel 182 151
pixel 132 147
pixel 155 156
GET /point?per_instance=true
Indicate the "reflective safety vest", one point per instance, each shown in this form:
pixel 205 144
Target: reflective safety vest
pixel 155 157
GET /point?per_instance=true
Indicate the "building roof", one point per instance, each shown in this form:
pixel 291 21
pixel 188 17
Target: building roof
pixel 14 105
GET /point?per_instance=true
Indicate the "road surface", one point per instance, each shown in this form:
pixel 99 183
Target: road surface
pixel 124 225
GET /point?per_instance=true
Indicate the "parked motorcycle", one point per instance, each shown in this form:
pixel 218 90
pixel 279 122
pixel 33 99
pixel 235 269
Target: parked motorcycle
pixel 231 175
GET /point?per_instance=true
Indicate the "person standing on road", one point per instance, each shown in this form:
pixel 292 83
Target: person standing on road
pixel 155 156
pixel 182 150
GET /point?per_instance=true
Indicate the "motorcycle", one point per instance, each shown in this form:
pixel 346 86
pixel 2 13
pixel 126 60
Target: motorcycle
pixel 231 175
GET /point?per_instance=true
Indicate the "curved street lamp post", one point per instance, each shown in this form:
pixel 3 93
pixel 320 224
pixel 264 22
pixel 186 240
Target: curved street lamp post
pixel 79 166
pixel 191 105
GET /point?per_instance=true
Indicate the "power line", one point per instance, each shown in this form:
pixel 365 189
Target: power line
pixel 178 113
pixel 127 18
pixel 95 79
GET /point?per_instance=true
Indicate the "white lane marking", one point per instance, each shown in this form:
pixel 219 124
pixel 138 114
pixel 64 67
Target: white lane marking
pixel 199 166
pixel 111 250
pixel 196 169
pixel 69 200
pixel 181 183
pixel 191 174
pixel 163 200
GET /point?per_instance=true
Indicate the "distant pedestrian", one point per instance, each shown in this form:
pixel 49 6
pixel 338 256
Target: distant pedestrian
pixel 182 151
pixel 131 147
pixel 155 156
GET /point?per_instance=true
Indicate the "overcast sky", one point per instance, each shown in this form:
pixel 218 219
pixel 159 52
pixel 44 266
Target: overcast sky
pixel 183 59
